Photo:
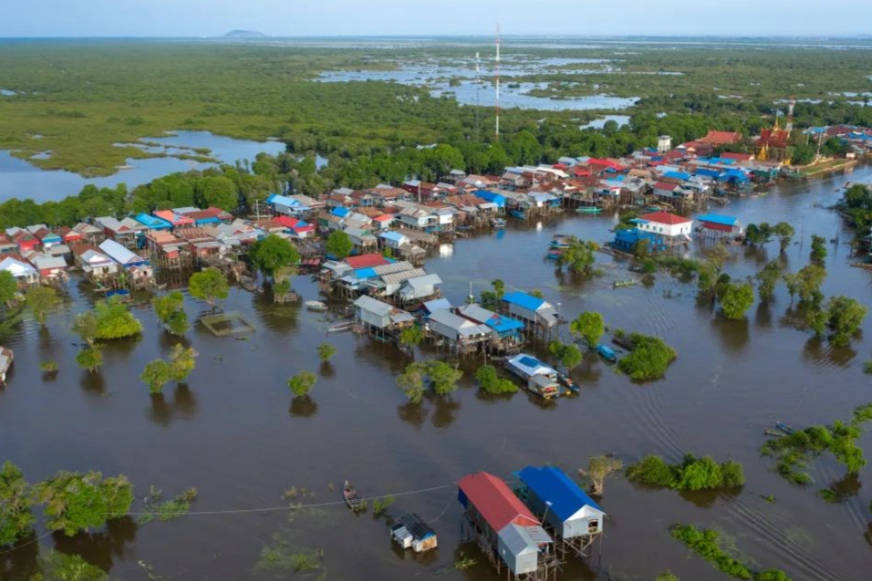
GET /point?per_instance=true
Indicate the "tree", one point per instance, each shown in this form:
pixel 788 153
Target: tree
pixel 90 358
pixel 411 381
pixel 169 310
pixel 578 256
pixel 115 321
pixel 598 468
pixel 339 245
pixel 326 351
pixel 767 278
pixel 499 288
pixel 806 283
pixel 785 233
pixel 443 376
pixel 844 318
pixel 666 576
pixel 648 359
pixel 16 518
pixel 758 234
pixel 182 362
pixel 208 285
pixel 568 355
pixel 302 383
pixel 58 566
pixel 272 253
pixel 411 337
pixel 490 382
pixel 77 502
pixel 85 326
pixel 818 252
pixel 8 287
pixel 40 300
pixel 590 326
pixel 156 374
pixel 219 191
pixel 736 299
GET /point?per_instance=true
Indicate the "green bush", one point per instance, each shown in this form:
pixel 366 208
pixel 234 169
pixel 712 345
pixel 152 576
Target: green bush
pixel 490 382
pixel 648 359
pixel 692 474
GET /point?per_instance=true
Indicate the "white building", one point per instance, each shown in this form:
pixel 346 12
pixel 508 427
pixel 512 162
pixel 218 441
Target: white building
pixel 664 143
pixel 669 226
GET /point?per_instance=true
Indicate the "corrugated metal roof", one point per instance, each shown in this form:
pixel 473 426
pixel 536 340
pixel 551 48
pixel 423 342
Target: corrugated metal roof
pixel 436 304
pixel 517 539
pixel 372 305
pixel 523 300
pixel 427 279
pixel 393 267
pixel 398 277
pixel 717 219
pixel 496 503
pixel 553 486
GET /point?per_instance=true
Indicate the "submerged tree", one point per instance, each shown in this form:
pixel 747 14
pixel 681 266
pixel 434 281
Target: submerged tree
pixel 648 358
pixel 411 337
pixel 844 318
pixel 736 299
pixel 76 502
pixel 90 358
pixel 785 233
pixel 272 253
pixel 818 252
pixel 758 233
pixel 338 245
pixel 85 326
pixel 40 300
pixel 115 321
pixel 441 376
pixel 64 567
pixel 590 326
pixel 170 312
pixel 208 285
pixel 302 383
pixel 568 354
pixel 767 278
pixel 490 382
pixel 598 468
pixel 8 287
pixel 156 374
pixel 326 351
pixel 16 518
pixel 578 256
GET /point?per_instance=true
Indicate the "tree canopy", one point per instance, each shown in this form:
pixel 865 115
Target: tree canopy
pixel 76 502
pixel 114 320
pixel 171 313
pixel 338 245
pixel 208 285
pixel 302 383
pixel 648 358
pixel 16 518
pixel 588 325
pixel 490 382
pixel 41 299
pixel 273 253
pixel 736 299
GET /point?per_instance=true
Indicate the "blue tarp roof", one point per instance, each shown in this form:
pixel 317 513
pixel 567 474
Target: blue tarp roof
pixel 524 300
pixel 552 485
pixel 153 222
pixel 208 220
pixel 707 171
pixel 363 273
pixel 395 236
pixel 529 361
pixel 502 324
pixel 678 175
pixel 340 211
pixel 718 219
pixel 493 197
pixel 283 200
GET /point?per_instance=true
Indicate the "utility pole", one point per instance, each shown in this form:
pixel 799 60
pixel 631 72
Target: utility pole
pixel 477 87
pixel 497 134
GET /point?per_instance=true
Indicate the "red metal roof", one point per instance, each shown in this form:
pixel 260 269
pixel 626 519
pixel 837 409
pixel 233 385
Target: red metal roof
pixel 495 501
pixel 366 260
pixel 664 218
pixel 773 137
pixel 664 185
pixel 286 221
pixel 736 156
pixel 721 137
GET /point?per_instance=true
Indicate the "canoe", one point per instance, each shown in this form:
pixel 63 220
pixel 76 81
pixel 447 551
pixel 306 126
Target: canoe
pixel 352 499
pixel 774 433
pixel 340 326
pixel 498 223
pixel 624 283
pixel 593 210
pixel 785 428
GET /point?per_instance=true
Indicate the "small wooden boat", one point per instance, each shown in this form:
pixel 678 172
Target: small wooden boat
pixel 624 283
pixel 352 499
pixel 317 306
pixel 773 433
pixel 590 210
pixel 498 223
pixel 340 327
pixel 519 214
pixel 567 383
pixel 785 428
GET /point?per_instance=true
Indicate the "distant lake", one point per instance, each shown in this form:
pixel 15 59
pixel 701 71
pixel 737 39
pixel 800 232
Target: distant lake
pixel 20 179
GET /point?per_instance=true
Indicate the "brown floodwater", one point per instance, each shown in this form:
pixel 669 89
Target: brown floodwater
pixel 235 433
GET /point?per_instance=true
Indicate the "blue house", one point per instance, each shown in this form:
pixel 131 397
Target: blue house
pixel 627 238
pixel 340 212
pixel 561 502
pixel 530 309
pixel 504 327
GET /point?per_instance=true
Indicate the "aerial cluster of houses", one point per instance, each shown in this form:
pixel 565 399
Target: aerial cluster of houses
pixel 532 531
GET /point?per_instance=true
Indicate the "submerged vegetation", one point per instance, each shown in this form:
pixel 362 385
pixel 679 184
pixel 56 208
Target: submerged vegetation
pixel 164 510
pixel 302 383
pixel 75 502
pixel 490 382
pixel 794 451
pixel 648 358
pixel 171 313
pixel 691 474
pixel 439 375
pixel 707 544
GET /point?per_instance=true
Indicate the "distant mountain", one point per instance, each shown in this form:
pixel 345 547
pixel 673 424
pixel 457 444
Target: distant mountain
pixel 244 34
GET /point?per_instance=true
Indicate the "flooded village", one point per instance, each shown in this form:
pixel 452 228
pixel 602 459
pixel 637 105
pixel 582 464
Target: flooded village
pixel 648 365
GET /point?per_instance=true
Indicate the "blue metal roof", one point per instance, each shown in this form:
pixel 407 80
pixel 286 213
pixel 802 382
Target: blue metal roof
pixel 678 175
pixel 395 236
pixel 340 211
pixel 363 273
pixel 488 196
pixel 552 485
pixel 707 171
pixel 718 219
pixel 283 200
pixel 523 300
pixel 502 324
pixel 153 222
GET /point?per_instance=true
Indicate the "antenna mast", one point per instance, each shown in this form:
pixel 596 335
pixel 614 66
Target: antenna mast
pixel 498 84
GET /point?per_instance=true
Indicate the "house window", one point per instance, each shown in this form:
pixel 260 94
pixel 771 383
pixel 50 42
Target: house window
pixel 592 526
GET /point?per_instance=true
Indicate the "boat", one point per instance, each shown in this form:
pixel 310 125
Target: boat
pixel 607 353
pixel 774 433
pixel 352 499
pixel 340 326
pixel 785 428
pixel 498 223
pixel 591 210
pixel 317 306
pixel 624 283
pixel 554 254
pixel 567 383
pixel 6 358
pixel 519 214
pixel 560 241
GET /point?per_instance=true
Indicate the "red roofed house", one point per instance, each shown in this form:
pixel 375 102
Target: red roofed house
pixel 366 260
pixel 500 523
pixel 718 138
pixel 177 220
pixel 673 229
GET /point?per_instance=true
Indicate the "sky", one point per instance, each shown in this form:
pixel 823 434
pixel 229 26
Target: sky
pixel 195 18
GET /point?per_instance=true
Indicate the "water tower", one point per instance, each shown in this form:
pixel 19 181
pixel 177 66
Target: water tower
pixel 664 143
